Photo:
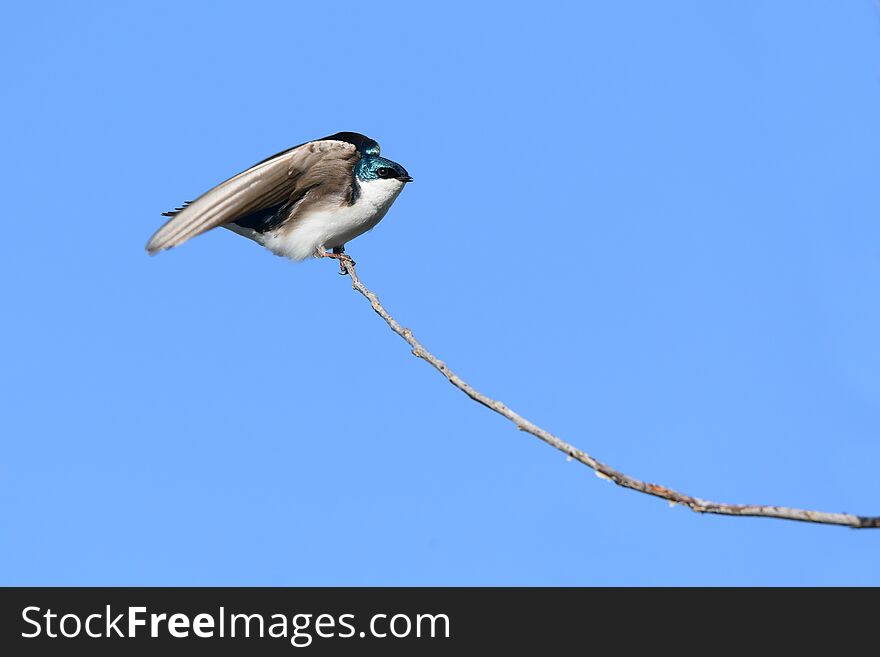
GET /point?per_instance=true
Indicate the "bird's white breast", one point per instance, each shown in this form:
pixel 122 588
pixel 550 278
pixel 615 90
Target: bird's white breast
pixel 330 227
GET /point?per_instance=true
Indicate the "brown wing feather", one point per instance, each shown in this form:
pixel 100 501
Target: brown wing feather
pixel 287 176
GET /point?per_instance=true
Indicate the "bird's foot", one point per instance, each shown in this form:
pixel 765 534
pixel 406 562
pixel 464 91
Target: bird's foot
pixel 338 254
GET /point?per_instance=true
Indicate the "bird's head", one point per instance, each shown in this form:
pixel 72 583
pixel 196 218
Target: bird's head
pixel 375 167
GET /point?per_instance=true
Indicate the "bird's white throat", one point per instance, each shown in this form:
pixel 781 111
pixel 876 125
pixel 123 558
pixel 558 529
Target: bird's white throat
pixel 329 227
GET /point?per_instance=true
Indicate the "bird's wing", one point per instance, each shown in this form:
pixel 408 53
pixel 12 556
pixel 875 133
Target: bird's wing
pixel 282 178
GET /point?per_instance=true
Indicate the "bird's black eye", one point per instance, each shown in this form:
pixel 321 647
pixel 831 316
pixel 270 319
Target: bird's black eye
pixel 383 172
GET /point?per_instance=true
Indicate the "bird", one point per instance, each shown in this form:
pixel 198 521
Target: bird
pixel 298 203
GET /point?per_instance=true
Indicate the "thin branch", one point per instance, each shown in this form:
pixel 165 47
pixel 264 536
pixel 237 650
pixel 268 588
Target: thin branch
pixel 603 471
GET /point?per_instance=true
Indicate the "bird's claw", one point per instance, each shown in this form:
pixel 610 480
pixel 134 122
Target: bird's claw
pixel 342 258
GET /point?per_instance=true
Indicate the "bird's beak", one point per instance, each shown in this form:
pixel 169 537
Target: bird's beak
pixel 405 179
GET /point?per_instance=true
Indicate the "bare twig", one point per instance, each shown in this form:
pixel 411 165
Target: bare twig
pixel 602 470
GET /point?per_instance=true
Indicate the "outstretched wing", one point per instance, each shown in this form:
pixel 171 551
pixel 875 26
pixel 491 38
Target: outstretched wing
pixel 284 178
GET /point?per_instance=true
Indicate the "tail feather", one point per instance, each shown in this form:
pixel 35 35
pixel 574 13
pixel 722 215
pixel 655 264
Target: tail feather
pixel 176 211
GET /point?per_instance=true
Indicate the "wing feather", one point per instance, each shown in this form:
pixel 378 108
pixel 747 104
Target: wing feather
pixel 283 177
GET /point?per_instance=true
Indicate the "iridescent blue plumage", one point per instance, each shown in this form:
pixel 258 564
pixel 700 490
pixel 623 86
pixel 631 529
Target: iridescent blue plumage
pixel 371 167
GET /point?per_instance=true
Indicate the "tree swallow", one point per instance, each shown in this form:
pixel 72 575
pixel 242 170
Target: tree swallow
pixel 298 203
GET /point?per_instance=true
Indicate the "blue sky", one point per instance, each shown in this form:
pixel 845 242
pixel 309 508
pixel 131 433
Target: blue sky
pixel 651 228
